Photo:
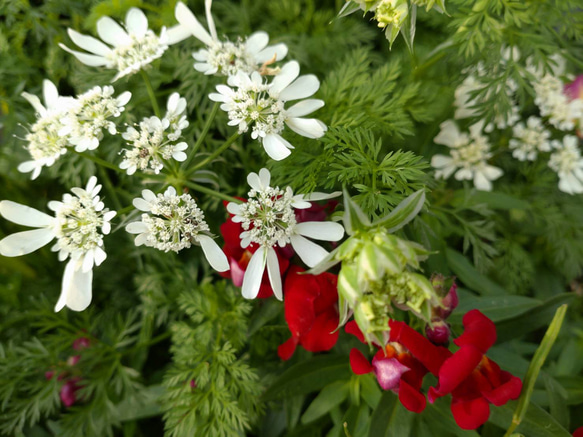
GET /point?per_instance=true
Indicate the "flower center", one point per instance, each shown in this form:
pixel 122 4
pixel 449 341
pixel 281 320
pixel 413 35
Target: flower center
pixel 565 160
pixel 229 58
pixel 138 52
pixel 268 217
pixel 44 142
pixel 472 153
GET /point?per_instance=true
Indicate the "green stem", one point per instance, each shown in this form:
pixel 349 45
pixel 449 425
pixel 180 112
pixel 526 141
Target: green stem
pixel 125 210
pixel 151 94
pixel 216 153
pixel 109 187
pixel 211 192
pixel 152 342
pixel 202 135
pixel 96 160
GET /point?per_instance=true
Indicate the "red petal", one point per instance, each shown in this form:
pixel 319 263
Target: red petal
pixel 300 292
pixel 265 291
pixel 509 390
pixel 327 292
pixel 455 370
pixel 358 363
pixel 479 331
pixel 352 328
pixel 286 350
pixel 578 432
pixel 323 334
pixel 230 232
pixel 412 399
pixel 469 414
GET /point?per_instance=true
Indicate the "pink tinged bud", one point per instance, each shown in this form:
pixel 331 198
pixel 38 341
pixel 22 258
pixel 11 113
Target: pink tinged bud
pixel 388 372
pixel 68 391
pixel 449 302
pixel 49 375
pixel 74 359
pixel 193 384
pixel 439 334
pixel 574 90
pixel 81 343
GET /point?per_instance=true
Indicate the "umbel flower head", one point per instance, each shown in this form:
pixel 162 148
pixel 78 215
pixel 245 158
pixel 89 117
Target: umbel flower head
pixel 268 219
pixel 226 58
pixel 469 155
pixel 254 104
pixel 566 160
pixel 530 139
pixel 128 49
pixel 45 144
pixel 155 140
pixel 174 223
pixel 79 224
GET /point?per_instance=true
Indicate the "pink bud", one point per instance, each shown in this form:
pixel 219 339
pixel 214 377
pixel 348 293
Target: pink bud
pixel 74 359
pixel 388 372
pixel 193 384
pixel 439 334
pixel 81 343
pixel 49 375
pixel 68 392
pixel 574 90
pixel 449 302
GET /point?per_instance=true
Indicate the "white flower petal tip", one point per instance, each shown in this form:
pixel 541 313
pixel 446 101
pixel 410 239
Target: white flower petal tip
pixel 274 273
pixel 276 147
pixel 213 253
pixel 76 287
pixel 308 251
pixel 254 274
pixel 24 215
pixel 326 231
pixel 23 243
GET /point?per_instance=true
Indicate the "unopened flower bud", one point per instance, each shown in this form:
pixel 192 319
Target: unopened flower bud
pixel 68 392
pixel 81 343
pixel 439 333
pixel 449 302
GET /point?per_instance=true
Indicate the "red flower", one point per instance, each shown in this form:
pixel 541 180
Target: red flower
pixel 316 212
pixel 474 380
pixel 68 393
pixel 310 312
pixel 578 432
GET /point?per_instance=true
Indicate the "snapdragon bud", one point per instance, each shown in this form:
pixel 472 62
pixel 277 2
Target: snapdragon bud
pixel 449 302
pixel 439 333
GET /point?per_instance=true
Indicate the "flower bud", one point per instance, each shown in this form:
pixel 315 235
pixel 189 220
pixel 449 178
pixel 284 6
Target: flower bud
pixel 449 302
pixel 81 343
pixel 439 333
pixel 68 392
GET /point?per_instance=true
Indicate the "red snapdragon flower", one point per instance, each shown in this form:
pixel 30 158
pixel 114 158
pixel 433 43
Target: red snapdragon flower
pixel 310 311
pixel 474 380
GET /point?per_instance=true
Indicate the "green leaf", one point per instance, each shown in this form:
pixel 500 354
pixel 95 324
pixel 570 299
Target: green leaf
pixel 496 308
pixel 440 421
pixel 369 390
pixel 494 200
pixel 331 396
pixel 535 423
pixel 390 418
pixel 144 404
pixel 354 218
pixel 557 400
pixel 309 376
pixel 468 274
pixel 405 211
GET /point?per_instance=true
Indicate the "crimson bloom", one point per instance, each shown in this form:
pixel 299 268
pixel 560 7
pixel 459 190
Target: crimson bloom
pixel 474 380
pixel 310 311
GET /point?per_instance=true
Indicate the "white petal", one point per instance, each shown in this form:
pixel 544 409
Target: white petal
pixel 264 177
pixel 50 94
pixel 440 161
pixel 141 240
pixel 279 50
pixel 136 22
pixel 305 107
pixel 309 252
pixel 76 288
pixel 274 273
pixel 481 182
pixel 179 156
pixel 448 135
pixel 254 181
pixel 99 256
pixel 136 227
pixel 177 33
pixel 40 109
pixel 302 87
pixel 254 274
pixel 141 204
pixel 24 215
pixel 91 60
pixel 213 253
pixel 112 33
pixel 307 127
pixel 23 243
pixel 492 172
pixel 89 43
pixel 315 196
pixel 209 19
pixel 149 195
pixel 276 147
pixel 257 42
pixel 288 73
pixel 186 18
pixel 88 261
pixel 326 231
pixel 234 208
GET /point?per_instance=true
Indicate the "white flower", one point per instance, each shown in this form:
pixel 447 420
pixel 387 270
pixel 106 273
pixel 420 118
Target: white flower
pixel 226 58
pixel 469 154
pixel 568 164
pixel 260 106
pixel 530 139
pixel 45 145
pixel 553 103
pixel 174 223
pixel 268 219
pixel 129 49
pixel 176 107
pixel 83 125
pixel 79 225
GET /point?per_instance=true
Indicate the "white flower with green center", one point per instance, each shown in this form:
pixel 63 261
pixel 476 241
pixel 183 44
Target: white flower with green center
pixel 530 139
pixel 173 223
pixel 226 58
pixel 254 104
pixel 468 156
pixel 553 103
pixel 83 125
pixel 78 226
pixel 567 162
pixel 45 145
pixel 268 219
pixel 130 49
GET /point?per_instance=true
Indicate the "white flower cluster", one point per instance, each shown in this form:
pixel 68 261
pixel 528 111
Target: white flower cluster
pixel 252 103
pixel 530 139
pixel 268 219
pixel 68 121
pixel 553 103
pixel 79 224
pixel 173 223
pixel 468 156
pixel 568 163
pixel 155 139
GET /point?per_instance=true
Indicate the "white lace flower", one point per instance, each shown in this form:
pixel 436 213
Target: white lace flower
pixel 469 154
pixel 175 223
pixel 45 145
pixel 79 225
pixel 175 114
pixel 268 219
pixel 252 103
pixel 151 146
pixel 226 58
pixel 530 139
pixel 568 164
pixel 553 103
pixel 129 49
pixel 83 125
